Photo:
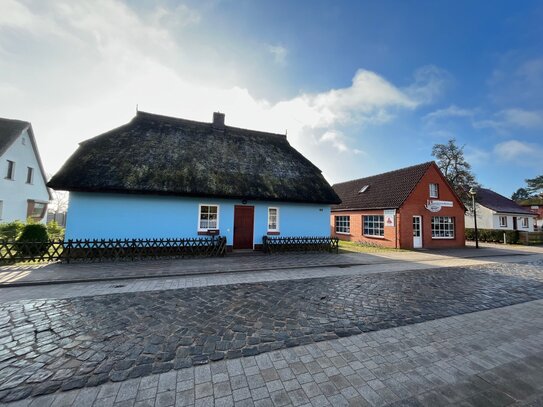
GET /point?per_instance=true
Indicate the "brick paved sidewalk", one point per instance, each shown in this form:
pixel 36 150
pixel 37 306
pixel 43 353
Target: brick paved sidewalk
pixel 87 272
pixel 492 357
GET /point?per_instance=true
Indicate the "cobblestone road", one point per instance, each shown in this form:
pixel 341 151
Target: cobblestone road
pixel 72 343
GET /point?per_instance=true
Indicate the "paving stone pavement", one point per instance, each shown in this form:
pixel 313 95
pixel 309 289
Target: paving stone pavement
pixel 487 358
pixel 56 272
pixel 51 345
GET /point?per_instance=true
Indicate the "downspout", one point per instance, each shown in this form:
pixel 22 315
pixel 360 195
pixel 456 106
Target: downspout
pixel 396 230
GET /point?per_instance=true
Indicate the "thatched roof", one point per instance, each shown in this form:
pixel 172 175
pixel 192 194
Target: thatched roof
pixel 163 155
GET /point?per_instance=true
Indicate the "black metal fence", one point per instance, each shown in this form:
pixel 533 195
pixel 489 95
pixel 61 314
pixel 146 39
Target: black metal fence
pixel 109 250
pixel 300 244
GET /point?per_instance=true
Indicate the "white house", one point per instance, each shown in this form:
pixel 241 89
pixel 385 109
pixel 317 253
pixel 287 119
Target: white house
pixel 495 211
pixel 23 192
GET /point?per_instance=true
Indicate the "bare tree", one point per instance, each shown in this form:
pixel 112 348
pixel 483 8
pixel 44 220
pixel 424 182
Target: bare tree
pixel 451 161
pixel 59 203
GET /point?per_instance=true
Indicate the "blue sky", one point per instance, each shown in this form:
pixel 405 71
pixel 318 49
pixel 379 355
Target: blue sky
pixel 360 87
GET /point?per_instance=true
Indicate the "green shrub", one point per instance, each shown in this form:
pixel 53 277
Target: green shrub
pixel 54 230
pixel 33 241
pixel 493 235
pixel 11 230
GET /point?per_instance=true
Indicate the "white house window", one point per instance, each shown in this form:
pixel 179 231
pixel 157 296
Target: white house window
pixel 374 225
pixel 503 221
pixel 434 190
pixel 525 222
pixel 11 170
pixel 208 217
pixel 30 175
pixel 442 227
pixel 273 219
pixel 343 224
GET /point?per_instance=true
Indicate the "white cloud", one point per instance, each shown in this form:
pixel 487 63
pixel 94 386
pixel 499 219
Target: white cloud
pixel 519 152
pixel 514 118
pixel 107 59
pixel 279 54
pixel 451 111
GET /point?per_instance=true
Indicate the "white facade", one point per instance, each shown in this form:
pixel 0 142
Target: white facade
pixel 490 219
pixel 15 190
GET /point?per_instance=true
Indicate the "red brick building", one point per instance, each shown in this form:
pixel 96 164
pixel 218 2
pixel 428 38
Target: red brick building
pixel 413 207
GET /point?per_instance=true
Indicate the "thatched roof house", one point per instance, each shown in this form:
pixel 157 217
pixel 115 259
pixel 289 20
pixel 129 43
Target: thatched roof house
pixel 156 155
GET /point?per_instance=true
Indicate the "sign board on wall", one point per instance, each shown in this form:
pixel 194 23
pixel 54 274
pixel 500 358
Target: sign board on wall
pixel 390 217
pixel 435 205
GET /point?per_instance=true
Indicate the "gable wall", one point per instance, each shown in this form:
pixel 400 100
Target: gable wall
pixel 415 205
pixel 15 193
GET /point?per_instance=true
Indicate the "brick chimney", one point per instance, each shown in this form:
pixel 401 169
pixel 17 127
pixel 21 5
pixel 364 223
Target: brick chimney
pixel 218 120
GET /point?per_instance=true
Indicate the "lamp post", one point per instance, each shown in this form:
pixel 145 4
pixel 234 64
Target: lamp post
pixel 472 192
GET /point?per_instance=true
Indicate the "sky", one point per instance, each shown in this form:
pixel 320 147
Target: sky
pixel 360 87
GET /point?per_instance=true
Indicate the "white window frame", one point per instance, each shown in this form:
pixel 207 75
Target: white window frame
pixel 432 193
pixel 12 175
pixel 276 219
pixel 380 221
pixel 503 224
pixel 525 223
pixel 200 215
pixel 441 222
pixel 348 224
pixel 30 171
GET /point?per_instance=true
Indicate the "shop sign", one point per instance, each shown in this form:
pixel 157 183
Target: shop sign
pixel 435 206
pixel 390 216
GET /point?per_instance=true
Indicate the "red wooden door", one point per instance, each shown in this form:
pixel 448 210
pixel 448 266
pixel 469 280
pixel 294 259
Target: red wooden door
pixel 244 217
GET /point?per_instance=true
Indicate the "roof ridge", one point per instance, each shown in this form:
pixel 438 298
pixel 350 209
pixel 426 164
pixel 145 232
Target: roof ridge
pixel 142 114
pixel 428 163
pixel 14 120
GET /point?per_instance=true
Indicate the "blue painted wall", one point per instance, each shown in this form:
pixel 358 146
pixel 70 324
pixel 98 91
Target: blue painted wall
pixel 119 216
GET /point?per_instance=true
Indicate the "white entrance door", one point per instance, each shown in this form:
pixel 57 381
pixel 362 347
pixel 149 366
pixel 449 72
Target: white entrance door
pixel 417 232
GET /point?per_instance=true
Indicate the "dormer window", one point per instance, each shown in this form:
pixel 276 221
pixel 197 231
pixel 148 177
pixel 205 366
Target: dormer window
pixel 363 189
pixel 434 190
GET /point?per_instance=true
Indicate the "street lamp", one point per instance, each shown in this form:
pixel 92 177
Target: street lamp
pixel 472 192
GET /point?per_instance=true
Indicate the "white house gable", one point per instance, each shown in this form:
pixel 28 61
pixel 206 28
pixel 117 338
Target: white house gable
pixel 22 185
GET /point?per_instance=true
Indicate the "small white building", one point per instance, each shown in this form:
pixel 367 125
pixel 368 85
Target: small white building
pixel 495 211
pixel 23 193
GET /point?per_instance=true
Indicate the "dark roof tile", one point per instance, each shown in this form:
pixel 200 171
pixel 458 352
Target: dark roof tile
pixel 499 203
pixel 9 131
pixel 385 191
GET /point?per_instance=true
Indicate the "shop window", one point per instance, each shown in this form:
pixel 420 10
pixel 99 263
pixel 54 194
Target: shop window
pixel 442 227
pixel 374 225
pixel 343 224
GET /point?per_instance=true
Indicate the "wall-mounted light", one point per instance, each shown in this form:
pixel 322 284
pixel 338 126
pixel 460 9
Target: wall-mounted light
pixel 244 202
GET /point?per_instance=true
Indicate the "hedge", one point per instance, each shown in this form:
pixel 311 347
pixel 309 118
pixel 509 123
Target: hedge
pixel 493 235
